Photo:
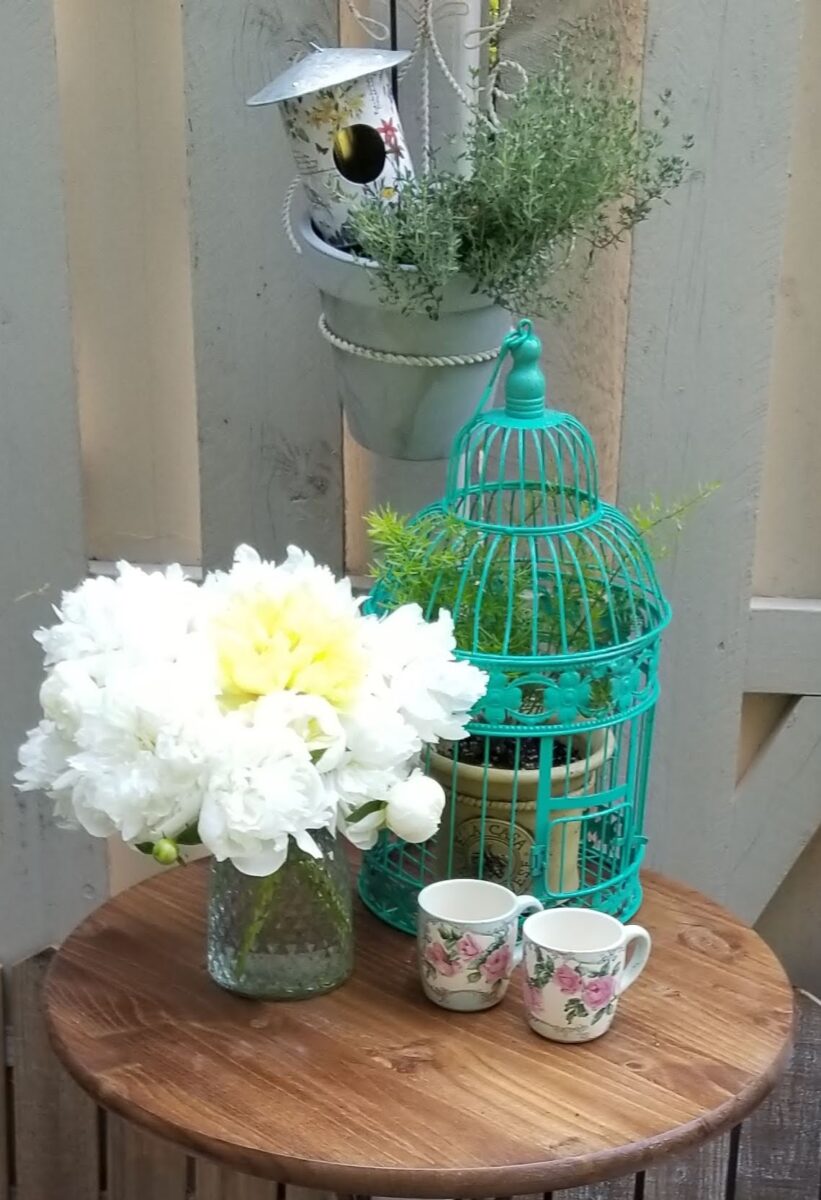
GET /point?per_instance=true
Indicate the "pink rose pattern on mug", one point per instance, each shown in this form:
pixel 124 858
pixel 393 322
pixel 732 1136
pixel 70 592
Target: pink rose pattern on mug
pixel 577 963
pixel 582 993
pixel 476 961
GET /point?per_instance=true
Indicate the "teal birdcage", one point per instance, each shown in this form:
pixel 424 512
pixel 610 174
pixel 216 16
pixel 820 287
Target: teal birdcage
pixel 554 595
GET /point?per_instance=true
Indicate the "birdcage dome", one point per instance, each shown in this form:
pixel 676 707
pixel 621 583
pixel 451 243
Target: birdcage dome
pixel 540 574
pixel 554 594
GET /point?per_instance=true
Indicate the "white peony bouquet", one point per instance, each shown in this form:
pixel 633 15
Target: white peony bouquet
pixel 254 709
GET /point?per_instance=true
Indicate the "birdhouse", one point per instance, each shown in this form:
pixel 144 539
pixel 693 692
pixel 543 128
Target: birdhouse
pixel 343 124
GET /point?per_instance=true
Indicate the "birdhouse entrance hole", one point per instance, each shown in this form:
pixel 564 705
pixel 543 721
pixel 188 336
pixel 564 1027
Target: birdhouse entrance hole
pixel 359 153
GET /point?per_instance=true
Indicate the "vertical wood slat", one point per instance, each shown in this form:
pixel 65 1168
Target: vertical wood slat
pixel 616 1189
pixel 56 1142
pixel 218 1183
pixel 5 1111
pixel 780 1151
pixel 699 1176
pixel 49 879
pixel 141 1166
pixel 270 429
pixel 697 383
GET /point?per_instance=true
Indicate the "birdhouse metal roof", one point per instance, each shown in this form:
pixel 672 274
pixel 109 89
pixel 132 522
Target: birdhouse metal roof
pixel 327 68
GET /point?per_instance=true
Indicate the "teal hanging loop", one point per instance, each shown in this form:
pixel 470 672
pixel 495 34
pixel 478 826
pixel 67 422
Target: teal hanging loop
pixel 525 385
pixel 526 374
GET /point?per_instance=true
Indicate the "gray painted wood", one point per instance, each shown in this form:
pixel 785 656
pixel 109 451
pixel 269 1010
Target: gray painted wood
pixel 780 1150
pixel 48 879
pixel 5 1112
pixel 777 808
pixel 701 1175
pixel 56 1145
pixel 696 390
pixel 784 646
pixel 268 417
pixel 616 1189
pixel 141 1166
pixel 217 1183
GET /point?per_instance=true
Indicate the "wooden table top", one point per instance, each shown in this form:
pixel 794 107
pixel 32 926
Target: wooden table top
pixel 371 1089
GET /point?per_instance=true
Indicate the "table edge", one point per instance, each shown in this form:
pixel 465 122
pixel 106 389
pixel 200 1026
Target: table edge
pixel 435 1183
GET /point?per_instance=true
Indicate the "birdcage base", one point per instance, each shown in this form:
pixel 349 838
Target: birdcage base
pixel 394 872
pixel 492 818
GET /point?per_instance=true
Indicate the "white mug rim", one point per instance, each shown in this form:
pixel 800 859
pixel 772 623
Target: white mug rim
pixel 507 915
pixel 607 948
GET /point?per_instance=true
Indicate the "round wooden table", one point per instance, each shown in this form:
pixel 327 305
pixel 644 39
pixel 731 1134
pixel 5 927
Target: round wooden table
pixel 372 1089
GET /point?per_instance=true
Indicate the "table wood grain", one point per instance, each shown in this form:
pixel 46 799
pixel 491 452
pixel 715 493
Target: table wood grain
pixel 373 1090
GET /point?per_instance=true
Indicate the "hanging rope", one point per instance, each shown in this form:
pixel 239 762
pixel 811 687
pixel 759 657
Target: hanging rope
pixel 378 30
pixel 286 214
pixel 404 360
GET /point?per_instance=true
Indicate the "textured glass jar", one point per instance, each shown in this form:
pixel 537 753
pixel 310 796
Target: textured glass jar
pixel 284 936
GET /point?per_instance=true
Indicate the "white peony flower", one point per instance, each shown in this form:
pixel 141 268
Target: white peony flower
pixel 314 721
pixel 378 736
pixel 414 807
pixel 261 792
pixel 147 615
pixel 431 689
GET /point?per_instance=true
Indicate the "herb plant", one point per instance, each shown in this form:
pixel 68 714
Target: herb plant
pixel 438 562
pixel 567 163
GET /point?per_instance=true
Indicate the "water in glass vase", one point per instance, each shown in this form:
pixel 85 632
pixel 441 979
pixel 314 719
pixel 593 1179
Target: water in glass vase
pixel 284 936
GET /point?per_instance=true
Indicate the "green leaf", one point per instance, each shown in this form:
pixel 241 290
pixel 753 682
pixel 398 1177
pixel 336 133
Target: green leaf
pixel 365 810
pixel 188 837
pixel 474 977
pixel 574 1008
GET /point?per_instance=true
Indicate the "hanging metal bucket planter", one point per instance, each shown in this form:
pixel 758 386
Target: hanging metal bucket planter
pixel 407 383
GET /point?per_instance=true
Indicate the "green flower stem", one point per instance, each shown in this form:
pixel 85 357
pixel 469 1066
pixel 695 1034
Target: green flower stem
pixel 315 874
pixel 266 893
pixel 314 870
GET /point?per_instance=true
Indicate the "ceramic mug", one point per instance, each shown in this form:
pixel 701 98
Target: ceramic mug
pixel 467 935
pixel 575 969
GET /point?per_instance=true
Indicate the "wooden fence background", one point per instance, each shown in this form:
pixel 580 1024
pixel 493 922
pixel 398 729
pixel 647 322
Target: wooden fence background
pixel 61 1146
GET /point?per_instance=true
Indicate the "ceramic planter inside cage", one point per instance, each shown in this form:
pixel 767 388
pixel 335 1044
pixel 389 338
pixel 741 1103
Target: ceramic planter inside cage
pixel 479 822
pixel 399 410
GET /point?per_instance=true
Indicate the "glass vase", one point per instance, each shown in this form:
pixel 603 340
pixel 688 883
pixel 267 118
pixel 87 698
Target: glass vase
pixel 285 936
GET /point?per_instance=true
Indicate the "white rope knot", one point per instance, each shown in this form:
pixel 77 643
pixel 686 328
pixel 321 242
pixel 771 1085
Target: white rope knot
pixel 404 360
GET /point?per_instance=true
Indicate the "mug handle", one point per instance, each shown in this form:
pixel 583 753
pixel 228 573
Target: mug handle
pixel 638 960
pixel 523 905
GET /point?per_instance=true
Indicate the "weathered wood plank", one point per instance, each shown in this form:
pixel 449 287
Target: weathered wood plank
pixel 56 1146
pixel 142 1167
pixel 268 416
pixel 784 646
pixel 218 1183
pixel 764 848
pixel 616 1189
pixel 48 879
pixel 699 1176
pixel 585 350
pixel 699 350
pixel 780 1150
pixel 5 1114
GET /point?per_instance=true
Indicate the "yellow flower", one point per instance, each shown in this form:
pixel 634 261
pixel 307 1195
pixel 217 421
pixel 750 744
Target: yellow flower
pixel 290 642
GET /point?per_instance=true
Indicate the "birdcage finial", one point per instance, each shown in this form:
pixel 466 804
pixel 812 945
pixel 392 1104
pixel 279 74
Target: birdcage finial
pixel 525 386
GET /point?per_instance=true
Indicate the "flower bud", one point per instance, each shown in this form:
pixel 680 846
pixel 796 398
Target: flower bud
pixel 166 852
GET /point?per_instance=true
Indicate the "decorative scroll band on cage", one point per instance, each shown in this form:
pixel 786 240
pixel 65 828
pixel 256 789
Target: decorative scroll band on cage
pixel 553 593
